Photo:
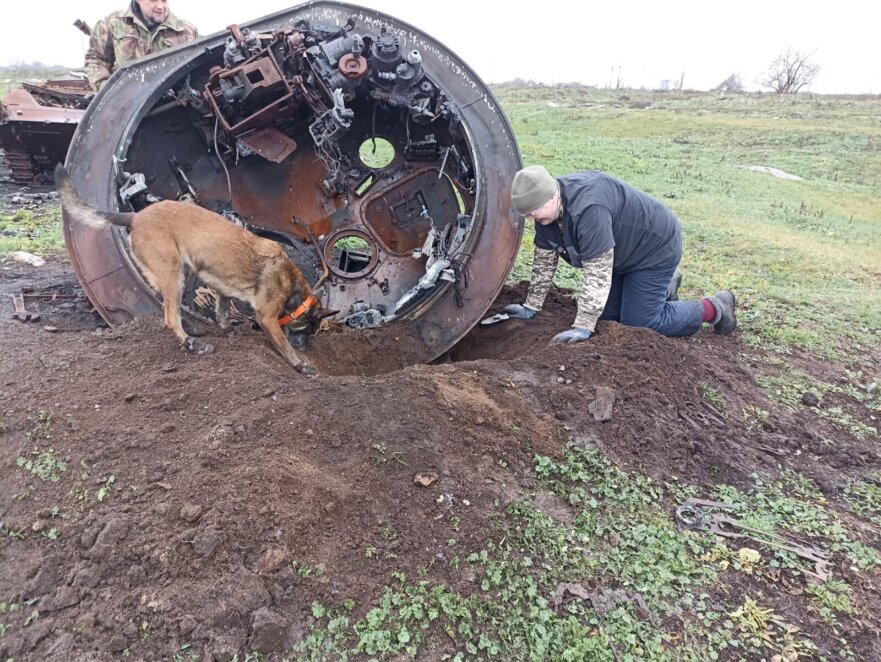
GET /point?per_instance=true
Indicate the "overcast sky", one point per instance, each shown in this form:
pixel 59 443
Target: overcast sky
pixel 550 41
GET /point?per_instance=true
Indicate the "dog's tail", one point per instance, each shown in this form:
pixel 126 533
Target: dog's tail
pixel 78 210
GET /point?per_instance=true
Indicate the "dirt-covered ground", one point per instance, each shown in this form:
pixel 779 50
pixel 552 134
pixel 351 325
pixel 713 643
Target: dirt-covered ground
pixel 195 490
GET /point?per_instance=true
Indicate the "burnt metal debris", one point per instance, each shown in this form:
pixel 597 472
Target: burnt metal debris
pixel 274 124
pixel 37 123
pixel 697 514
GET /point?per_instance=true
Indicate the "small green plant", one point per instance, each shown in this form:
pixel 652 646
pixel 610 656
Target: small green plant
pixel 184 654
pixel 46 465
pixel 832 598
pixel 384 455
pixel 105 485
pixel 762 627
pixel 711 395
pixel 11 533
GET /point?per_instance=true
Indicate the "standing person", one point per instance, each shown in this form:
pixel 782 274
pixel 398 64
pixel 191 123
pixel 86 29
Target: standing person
pixel 144 27
pixel 628 245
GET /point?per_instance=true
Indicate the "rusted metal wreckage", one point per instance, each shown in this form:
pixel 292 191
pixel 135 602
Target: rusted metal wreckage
pixel 38 120
pixel 37 123
pixel 274 125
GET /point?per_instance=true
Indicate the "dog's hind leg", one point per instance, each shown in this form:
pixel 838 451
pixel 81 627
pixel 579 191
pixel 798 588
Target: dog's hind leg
pixel 271 327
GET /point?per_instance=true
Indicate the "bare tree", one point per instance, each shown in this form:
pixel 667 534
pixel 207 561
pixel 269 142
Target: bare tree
pixel 790 72
pixel 681 81
pixel 730 84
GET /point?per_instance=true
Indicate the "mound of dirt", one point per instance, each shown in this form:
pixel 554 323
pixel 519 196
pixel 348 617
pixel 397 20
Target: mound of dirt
pixel 210 500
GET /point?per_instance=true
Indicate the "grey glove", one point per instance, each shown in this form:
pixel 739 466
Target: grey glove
pixel 516 311
pixel 571 335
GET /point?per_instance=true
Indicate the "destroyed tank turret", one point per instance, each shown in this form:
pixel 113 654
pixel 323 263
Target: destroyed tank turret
pixel 365 147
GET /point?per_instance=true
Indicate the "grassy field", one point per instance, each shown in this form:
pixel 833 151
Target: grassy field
pixel 805 260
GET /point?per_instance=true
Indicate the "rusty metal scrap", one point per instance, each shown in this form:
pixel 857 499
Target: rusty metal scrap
pixel 21 313
pixel 696 514
pixel 37 123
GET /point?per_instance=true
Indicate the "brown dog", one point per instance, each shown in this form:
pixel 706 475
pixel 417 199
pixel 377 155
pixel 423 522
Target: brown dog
pixel 168 237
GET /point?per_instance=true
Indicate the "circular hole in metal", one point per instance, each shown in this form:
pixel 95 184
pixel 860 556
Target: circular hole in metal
pixel 376 153
pixel 351 254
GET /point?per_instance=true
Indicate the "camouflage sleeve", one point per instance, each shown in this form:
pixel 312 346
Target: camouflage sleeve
pixel 544 264
pixel 99 56
pixel 594 290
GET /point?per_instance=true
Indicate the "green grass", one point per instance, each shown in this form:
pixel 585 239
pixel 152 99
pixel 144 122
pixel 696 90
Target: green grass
pixel 35 231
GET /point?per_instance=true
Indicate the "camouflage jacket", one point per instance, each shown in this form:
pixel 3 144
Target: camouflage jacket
pixel 595 287
pixel 122 37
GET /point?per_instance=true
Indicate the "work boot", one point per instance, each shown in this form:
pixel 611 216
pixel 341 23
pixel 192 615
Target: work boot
pixel 673 287
pixel 724 303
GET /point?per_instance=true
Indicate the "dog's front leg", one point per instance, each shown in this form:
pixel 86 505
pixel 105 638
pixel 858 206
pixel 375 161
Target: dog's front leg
pixel 270 325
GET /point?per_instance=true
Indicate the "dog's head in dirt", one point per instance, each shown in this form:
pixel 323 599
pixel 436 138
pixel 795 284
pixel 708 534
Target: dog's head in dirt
pixel 304 319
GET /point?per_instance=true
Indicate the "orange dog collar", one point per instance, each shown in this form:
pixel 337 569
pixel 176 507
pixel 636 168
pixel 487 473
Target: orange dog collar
pixel 307 305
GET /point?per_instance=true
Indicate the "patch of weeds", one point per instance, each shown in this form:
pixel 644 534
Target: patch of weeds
pixel 755 416
pixel 788 388
pixel 11 533
pixel 864 498
pixel 184 654
pixel 46 465
pixel 621 543
pixel 832 598
pixel 32 231
pixel 384 455
pixel 104 488
pixel 763 628
pixel 841 419
pixel 303 570
pixel 51 534
pixel 41 426
pixel 711 395
pixel 105 485
pixel 248 657
pixel 32 618
pixel 329 641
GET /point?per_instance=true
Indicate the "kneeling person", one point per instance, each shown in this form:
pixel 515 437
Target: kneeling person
pixel 627 243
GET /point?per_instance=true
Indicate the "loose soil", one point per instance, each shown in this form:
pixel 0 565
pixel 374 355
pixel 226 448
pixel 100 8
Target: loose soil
pixel 230 471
